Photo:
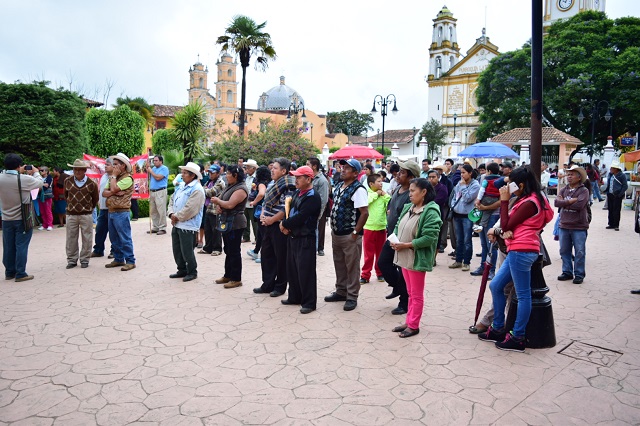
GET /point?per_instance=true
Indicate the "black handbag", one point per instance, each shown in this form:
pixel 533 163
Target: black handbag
pixel 224 221
pixel 29 219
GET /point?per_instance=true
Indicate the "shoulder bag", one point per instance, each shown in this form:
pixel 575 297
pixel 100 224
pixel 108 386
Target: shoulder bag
pixel 29 220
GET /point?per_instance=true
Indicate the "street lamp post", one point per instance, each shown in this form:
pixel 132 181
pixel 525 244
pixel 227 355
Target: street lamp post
pixel 311 126
pixel 455 117
pixel 295 107
pixel 413 141
pixel 595 116
pixel 384 102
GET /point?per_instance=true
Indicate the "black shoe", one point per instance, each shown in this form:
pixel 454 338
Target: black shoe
pixel 578 280
pixel 71 265
pixel 399 311
pixel 478 254
pixel 287 302
pixel 259 290
pixel 350 305
pixel 178 275
pixel 452 254
pixel 635 291
pixel 94 254
pixel 364 281
pixel 512 344
pixel 440 250
pixel 275 293
pixel 491 335
pixel 391 295
pixel 478 272
pixel 610 227
pixel 320 253
pixel 307 310
pixel 84 265
pixel 565 277
pixel 335 297
pixel 617 229
pixel 408 332
pixel 189 277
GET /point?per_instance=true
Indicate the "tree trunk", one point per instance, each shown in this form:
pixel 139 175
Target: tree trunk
pixel 244 63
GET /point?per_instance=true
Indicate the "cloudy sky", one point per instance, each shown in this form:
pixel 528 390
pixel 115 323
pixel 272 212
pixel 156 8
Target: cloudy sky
pixel 337 54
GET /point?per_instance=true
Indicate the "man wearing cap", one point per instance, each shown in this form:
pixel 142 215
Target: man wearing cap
pixel 212 237
pixel 320 187
pixel 185 212
pixel 348 217
pixel 249 167
pixel 616 190
pixel 300 229
pixel 390 271
pixel 573 200
pixel 118 194
pixel 81 194
pixel 159 176
pixel 15 190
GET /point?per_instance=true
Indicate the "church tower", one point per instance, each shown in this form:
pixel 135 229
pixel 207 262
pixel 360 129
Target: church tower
pixel 198 82
pixel 227 86
pixel 444 52
pixel 555 10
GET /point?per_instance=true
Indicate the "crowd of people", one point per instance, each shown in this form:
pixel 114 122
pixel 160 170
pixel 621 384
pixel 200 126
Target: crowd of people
pixel 398 218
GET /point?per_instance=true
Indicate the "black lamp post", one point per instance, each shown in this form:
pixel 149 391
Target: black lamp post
pixel 295 107
pixel 413 141
pixel 595 116
pixel 311 126
pixel 455 117
pixel 384 102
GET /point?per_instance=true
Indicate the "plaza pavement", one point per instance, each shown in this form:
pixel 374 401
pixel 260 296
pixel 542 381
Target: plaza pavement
pixel 101 346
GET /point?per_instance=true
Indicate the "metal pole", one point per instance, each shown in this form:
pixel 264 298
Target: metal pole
pixel 536 87
pixel 594 117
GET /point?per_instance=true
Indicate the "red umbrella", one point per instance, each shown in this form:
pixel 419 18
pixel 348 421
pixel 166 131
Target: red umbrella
pixel 355 151
pixel 483 286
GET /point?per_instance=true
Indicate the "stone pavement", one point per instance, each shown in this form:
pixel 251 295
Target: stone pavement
pixel 99 346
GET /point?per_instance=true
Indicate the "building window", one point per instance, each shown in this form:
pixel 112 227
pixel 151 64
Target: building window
pixel 451 33
pixel 438 66
pixel 161 124
pixel 452 62
pixel 439 33
pixel 201 82
pixel 229 96
pixel 230 73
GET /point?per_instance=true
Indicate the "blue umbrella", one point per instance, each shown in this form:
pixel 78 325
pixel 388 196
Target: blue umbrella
pixel 488 150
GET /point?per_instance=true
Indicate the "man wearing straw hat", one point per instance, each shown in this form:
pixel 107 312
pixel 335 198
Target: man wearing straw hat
pixel 81 194
pixel 185 212
pixel 118 194
pixel 616 190
pixel 573 200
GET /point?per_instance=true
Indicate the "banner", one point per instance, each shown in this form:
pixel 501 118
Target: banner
pixel 138 169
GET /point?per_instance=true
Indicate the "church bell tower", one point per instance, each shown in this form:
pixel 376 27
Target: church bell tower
pixel 227 86
pixel 198 82
pixel 444 52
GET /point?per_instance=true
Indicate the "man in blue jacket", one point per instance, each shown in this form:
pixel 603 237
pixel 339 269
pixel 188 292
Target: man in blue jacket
pixel 616 190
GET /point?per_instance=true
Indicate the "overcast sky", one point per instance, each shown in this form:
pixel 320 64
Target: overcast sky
pixel 337 54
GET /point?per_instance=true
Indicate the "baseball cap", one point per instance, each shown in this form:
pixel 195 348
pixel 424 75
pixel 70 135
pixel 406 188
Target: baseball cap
pixel 508 164
pixel 411 166
pixel 303 171
pixel 214 168
pixel 355 164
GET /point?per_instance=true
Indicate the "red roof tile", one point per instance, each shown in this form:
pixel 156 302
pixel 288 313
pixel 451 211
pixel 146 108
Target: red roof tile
pixel 165 110
pixel 550 135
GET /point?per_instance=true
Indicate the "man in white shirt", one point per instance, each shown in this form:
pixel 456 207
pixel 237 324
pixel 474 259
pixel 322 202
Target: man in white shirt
pixel 544 176
pixel 250 166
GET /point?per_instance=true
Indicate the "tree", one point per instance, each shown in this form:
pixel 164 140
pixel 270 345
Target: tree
pixel 349 122
pixel 277 140
pixel 587 58
pixel 139 105
pixel 435 135
pixel 244 37
pixel 163 140
pixel 118 130
pixel 188 129
pixel 43 125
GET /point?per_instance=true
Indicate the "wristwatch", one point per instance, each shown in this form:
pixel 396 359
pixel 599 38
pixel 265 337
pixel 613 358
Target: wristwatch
pixel 355 232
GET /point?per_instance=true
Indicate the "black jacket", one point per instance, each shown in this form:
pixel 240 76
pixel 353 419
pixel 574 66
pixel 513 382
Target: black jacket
pixel 303 215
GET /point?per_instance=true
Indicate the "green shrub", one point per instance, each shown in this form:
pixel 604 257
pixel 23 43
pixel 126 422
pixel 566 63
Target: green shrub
pixel 143 206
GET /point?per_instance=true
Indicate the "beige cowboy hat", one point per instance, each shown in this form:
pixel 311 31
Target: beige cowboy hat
pixel 580 170
pixel 193 168
pixel 617 165
pixel 251 163
pixel 78 164
pixel 124 159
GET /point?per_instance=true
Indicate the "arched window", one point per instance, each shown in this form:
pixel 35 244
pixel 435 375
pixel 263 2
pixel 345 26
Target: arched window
pixel 440 33
pixel 201 82
pixel 451 33
pixel 452 62
pixel 230 73
pixel 229 96
pixel 438 66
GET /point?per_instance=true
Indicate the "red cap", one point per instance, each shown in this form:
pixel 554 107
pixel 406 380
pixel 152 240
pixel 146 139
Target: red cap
pixel 303 171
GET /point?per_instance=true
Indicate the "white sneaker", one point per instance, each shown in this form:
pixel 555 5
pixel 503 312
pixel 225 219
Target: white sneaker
pixel 50 228
pixel 41 228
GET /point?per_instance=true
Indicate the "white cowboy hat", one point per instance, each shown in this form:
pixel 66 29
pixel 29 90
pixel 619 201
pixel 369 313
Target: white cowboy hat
pixel 617 165
pixel 78 164
pixel 124 159
pixel 582 172
pixel 193 168
pixel 251 163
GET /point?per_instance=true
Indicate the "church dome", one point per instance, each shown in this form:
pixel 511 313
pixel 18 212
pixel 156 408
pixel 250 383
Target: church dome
pixel 279 97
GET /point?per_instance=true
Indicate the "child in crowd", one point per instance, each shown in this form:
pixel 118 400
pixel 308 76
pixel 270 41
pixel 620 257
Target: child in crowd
pixel 488 194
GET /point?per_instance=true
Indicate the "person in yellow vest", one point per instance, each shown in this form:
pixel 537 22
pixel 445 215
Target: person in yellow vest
pixel 118 194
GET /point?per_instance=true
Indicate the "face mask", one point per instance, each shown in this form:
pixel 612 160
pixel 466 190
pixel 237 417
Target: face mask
pixel 513 187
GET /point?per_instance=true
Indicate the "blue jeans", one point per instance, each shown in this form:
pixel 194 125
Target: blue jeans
pixel 596 191
pixel 102 229
pixel 120 237
pixel 573 240
pixel 15 245
pixel 464 244
pixel 517 268
pixel 487 247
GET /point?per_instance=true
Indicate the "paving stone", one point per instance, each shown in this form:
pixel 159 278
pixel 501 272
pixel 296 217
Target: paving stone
pixel 33 401
pixel 172 396
pixel 252 413
pixel 75 419
pixel 205 406
pixel 120 414
pixel 363 415
pixel 123 391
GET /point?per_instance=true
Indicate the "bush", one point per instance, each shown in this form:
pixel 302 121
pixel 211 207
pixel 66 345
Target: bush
pixel 143 207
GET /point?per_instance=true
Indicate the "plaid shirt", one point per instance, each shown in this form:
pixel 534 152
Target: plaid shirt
pixel 276 193
pixel 213 189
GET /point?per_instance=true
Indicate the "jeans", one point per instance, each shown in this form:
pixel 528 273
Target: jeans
pixel 487 247
pixel 15 245
pixel 573 240
pixel 233 259
pixel 120 237
pixel 517 268
pixel 464 244
pixel 596 191
pixel 102 230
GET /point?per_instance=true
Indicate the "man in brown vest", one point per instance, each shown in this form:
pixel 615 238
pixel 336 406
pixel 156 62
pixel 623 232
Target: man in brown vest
pixel 81 194
pixel 118 194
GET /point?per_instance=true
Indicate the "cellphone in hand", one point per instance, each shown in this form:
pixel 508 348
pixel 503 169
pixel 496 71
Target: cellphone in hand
pixel 28 167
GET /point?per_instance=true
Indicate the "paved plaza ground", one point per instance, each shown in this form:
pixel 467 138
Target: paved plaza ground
pixel 101 346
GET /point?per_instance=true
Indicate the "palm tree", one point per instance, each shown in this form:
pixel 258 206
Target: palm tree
pixel 245 38
pixel 188 128
pixel 139 105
